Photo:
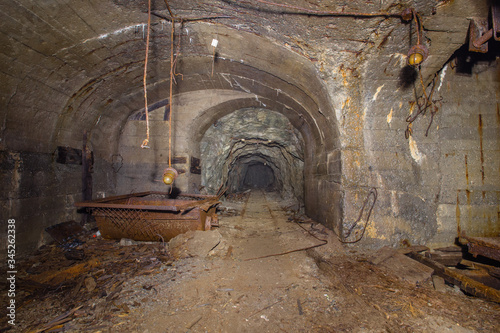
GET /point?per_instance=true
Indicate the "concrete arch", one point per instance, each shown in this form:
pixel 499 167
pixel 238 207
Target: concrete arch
pixel 277 79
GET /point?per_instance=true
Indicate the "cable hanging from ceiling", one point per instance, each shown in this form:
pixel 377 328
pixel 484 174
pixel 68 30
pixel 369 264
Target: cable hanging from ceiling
pixel 145 143
pixel 170 173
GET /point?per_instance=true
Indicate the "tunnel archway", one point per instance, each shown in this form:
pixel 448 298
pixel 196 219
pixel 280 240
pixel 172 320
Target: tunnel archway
pixel 251 140
pixel 277 79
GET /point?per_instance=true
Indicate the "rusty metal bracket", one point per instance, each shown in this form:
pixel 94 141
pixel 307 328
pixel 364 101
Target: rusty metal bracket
pixel 495 17
pixel 479 35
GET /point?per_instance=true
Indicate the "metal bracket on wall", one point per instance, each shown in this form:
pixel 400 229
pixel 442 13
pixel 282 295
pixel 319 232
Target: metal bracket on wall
pixel 479 35
pixel 495 17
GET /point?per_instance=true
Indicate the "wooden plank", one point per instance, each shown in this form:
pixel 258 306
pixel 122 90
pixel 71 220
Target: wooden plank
pixel 445 258
pixel 488 247
pixel 382 254
pixel 413 248
pixel 465 283
pixel 401 266
pixel 408 269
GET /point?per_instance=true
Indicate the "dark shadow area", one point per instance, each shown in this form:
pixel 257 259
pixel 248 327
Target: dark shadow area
pixel 407 76
pixel 259 175
pixel 465 61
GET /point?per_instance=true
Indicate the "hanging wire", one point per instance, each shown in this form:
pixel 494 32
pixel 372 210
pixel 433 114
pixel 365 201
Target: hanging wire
pixel 373 192
pixel 146 141
pixel 171 88
pixel 424 103
pixel 418 25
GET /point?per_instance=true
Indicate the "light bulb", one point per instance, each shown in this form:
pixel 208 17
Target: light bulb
pixel 169 176
pixel 417 54
pixel 415 59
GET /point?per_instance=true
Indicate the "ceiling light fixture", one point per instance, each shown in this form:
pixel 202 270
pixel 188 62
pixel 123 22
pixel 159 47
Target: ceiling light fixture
pixel 169 176
pixel 418 52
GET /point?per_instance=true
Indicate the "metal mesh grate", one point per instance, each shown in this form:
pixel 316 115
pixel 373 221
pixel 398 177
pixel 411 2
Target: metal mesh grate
pixel 131 222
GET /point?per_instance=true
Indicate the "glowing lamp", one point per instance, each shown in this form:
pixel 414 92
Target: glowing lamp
pixel 417 54
pixel 169 176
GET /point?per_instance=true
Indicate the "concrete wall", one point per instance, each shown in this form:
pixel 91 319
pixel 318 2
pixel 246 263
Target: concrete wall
pixel 36 192
pixel 430 187
pixel 469 145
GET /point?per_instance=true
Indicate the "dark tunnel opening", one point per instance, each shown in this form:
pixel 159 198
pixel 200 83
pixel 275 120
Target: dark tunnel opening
pixel 267 154
pixel 259 175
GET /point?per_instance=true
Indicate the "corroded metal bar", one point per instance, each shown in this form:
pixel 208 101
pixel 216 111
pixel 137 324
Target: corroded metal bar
pixel 465 283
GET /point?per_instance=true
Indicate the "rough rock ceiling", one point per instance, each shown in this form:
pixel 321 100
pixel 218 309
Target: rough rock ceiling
pixel 248 136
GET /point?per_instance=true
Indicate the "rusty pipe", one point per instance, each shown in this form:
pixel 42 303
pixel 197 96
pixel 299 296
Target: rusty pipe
pixel 483 39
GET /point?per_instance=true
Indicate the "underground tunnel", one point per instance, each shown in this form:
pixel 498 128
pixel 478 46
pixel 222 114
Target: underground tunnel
pixel 257 175
pixel 373 122
pixel 253 148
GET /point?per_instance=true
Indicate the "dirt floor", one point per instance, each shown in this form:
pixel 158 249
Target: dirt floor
pixel 244 276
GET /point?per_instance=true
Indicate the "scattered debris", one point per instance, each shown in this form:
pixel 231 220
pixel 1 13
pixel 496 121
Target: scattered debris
pixel 66 233
pixel 57 322
pixel 438 283
pixel 465 283
pixel 194 322
pixel 333 288
pixel 88 289
pixel 401 266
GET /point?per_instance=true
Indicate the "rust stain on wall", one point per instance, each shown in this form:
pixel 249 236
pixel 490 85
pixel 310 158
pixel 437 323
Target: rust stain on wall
pixel 459 231
pixel 466 171
pixel 480 130
pixel 498 113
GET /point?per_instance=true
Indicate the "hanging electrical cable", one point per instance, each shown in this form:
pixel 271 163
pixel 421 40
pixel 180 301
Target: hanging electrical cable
pixel 145 143
pixel 373 192
pixel 170 174
pixel 171 93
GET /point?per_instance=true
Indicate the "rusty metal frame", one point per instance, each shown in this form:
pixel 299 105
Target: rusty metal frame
pixel 152 216
pixel 495 18
pixel 110 202
pixel 479 35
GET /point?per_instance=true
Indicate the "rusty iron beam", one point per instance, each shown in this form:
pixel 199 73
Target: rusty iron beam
pixel 465 283
pixel 495 17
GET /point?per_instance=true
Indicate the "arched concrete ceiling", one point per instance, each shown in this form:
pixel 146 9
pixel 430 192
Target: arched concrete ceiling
pixel 277 75
pixel 69 66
